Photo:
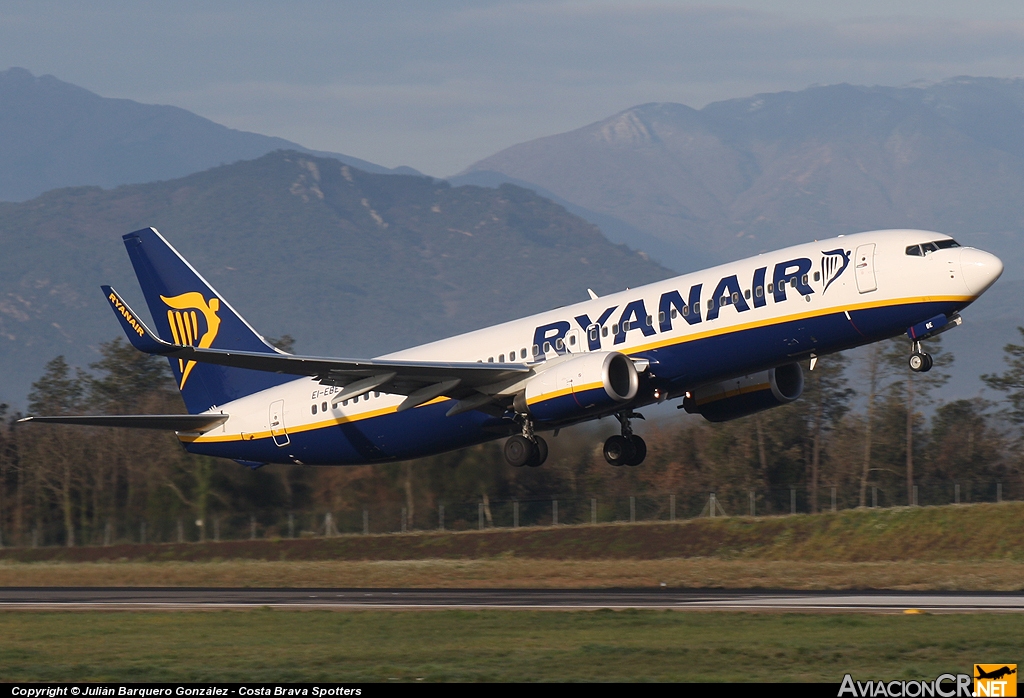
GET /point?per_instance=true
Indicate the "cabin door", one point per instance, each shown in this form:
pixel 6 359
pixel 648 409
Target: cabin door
pixel 864 261
pixel 277 428
pixel 574 342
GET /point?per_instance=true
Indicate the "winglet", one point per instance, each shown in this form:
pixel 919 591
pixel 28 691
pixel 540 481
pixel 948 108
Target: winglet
pixel 138 334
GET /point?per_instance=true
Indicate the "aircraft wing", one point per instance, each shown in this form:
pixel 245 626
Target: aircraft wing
pixel 420 381
pixel 172 422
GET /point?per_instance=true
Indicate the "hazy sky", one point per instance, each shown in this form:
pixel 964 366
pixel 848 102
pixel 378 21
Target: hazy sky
pixel 439 85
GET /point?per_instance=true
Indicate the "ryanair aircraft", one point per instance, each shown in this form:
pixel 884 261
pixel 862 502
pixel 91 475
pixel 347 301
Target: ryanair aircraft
pixel 727 340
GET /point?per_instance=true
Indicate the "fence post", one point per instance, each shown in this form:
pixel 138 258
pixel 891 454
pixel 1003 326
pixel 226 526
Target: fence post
pixel 956 493
pixel 142 532
pixel 712 505
pixel 874 496
pixel 108 533
pixel 554 512
pixel 833 500
pixel 252 526
pixel 366 521
pixel 593 510
pixel 792 500
pixel 181 531
pixel 632 509
pixel 440 517
pixel 480 515
pixel 515 514
pixel 403 519
pixel 999 492
pixel 915 495
pixel 671 507
pixel 216 529
pixel 750 494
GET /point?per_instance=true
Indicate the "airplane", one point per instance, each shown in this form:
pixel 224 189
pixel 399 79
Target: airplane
pixel 994 674
pixel 728 340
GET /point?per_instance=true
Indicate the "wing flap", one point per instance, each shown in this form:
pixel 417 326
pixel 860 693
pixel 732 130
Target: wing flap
pixel 409 376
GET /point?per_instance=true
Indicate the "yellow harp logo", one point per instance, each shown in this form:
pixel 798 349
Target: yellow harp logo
pixel 183 318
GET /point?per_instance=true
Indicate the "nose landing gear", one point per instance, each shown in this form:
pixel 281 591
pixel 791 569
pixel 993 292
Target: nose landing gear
pixel 526 448
pixel 919 361
pixel 627 448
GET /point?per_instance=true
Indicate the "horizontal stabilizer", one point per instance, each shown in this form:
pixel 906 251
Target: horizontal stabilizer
pixel 170 422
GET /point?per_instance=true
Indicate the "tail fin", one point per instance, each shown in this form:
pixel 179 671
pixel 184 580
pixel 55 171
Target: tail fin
pixel 187 310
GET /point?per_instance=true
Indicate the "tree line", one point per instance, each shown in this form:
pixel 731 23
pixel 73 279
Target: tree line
pixel 867 431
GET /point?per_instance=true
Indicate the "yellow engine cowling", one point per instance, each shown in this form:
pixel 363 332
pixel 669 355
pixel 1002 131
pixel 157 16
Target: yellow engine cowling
pixel 739 397
pixel 578 386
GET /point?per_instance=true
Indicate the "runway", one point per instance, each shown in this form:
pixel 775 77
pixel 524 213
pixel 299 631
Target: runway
pixel 190 599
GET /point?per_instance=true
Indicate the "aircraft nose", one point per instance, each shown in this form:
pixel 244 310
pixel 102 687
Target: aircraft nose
pixel 980 269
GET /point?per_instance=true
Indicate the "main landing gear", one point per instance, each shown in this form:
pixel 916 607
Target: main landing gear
pixel 627 449
pixel 526 448
pixel 920 362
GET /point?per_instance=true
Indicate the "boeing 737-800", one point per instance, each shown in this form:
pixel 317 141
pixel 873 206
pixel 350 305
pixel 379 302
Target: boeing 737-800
pixel 727 340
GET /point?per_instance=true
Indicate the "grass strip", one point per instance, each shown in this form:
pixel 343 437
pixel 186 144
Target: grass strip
pixel 932 534
pixel 511 572
pixel 265 645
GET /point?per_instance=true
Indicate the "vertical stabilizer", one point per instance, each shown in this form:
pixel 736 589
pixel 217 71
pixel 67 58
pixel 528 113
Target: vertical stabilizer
pixel 187 310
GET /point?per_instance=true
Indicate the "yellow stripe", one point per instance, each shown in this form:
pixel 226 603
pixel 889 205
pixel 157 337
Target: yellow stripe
pixel 313 426
pixel 727 329
pixel 564 391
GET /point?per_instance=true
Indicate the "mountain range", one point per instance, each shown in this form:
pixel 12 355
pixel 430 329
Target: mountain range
pixel 54 134
pixel 349 263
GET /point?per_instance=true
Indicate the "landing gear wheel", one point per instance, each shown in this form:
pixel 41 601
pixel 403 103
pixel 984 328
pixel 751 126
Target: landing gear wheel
pixel 540 452
pixel 639 450
pixel 920 362
pixel 519 451
pixel 618 450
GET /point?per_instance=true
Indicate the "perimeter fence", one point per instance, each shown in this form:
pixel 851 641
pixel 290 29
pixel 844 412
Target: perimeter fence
pixel 555 510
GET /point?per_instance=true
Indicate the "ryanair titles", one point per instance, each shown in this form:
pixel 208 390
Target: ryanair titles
pixel 673 307
pixel 119 306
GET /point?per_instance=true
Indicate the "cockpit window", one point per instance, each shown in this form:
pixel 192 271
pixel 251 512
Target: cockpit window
pixel 929 247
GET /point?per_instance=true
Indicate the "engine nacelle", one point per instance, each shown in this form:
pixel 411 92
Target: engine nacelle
pixel 739 397
pixel 578 386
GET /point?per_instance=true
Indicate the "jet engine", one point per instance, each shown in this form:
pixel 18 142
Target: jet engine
pixel 579 386
pixel 745 395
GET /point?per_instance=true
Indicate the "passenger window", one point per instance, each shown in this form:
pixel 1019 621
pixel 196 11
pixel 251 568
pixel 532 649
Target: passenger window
pixel 817 276
pixel 501 358
pixel 770 290
pixel 746 294
pixel 805 279
pixel 376 394
pixel 711 303
pixel 559 344
pixel 735 297
pixel 547 347
pixel 661 317
pixel 512 356
pixel 615 328
pixel 724 301
pixel 604 331
pixel 572 340
pixel 314 409
pixel 536 350
pixel 674 314
pixel 593 333
pixel 686 310
pixel 490 359
pixel 523 354
pixel 323 407
pixel 344 403
pixel 759 291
